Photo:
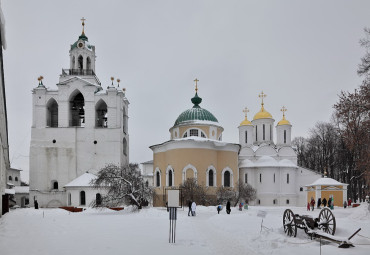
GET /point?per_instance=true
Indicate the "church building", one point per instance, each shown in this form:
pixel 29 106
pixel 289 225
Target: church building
pixel 196 150
pixel 77 128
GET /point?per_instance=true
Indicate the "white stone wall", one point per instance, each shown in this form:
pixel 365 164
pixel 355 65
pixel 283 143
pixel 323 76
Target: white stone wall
pixel 280 135
pixel 14 173
pixel 90 195
pixel 304 177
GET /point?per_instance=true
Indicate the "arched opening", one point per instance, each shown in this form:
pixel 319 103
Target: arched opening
pixel 227 179
pixel 52 113
pixel 274 178
pixel 124 121
pixel 98 199
pixel 88 63
pixel 157 179
pixel 246 136
pixel 170 178
pixel 16 178
pixel 124 144
pixel 287 178
pixel 10 178
pixel 69 198
pixel 210 178
pixel 77 112
pixel 256 134
pixel 82 198
pixel 263 127
pixel 101 114
pixel 260 178
pixel 80 63
pixel 55 185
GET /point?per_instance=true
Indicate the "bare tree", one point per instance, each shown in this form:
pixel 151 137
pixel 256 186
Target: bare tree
pixel 225 194
pixel 125 186
pixel 192 191
pixel 244 192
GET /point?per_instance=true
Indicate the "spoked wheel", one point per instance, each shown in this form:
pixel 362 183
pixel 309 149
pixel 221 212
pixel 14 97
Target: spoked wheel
pixel 289 223
pixel 327 221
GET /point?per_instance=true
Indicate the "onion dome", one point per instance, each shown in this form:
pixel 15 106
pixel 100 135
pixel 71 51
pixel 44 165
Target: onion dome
pixel 262 114
pixel 246 122
pixel 283 121
pixel 196 113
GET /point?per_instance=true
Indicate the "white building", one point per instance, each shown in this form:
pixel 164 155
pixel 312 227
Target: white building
pixel 76 128
pixel 272 168
pixel 4 147
pixel 147 172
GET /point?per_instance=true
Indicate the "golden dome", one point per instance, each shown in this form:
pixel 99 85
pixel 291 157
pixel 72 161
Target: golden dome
pixel 262 114
pixel 283 121
pixel 245 122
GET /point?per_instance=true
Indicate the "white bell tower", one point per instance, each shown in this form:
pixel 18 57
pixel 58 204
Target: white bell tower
pixel 245 131
pixel 284 131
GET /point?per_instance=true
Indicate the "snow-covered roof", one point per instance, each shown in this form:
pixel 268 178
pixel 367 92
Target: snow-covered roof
pixel 148 162
pixel 326 181
pixel 82 181
pixel 10 191
pixel 10 184
pixel 267 161
pixel 22 189
pixel 202 139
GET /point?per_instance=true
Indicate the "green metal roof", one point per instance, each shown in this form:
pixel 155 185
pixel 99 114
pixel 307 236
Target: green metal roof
pixel 82 37
pixel 195 113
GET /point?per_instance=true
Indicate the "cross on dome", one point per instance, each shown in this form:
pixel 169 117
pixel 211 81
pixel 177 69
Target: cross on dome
pixel 262 95
pixel 196 84
pixel 246 110
pixel 83 25
pixel 283 109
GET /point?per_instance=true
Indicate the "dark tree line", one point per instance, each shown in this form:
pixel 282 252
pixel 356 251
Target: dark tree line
pixel 341 147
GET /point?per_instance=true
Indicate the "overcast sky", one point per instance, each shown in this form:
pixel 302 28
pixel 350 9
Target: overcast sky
pixel 300 53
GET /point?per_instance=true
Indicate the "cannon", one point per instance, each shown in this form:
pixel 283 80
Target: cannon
pixel 322 227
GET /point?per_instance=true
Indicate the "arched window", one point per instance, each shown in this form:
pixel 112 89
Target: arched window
pixel 271 132
pixel 256 134
pixel 284 136
pixel 10 178
pixel 263 128
pixel 98 199
pixel 88 63
pixel 260 178
pixel 157 179
pixel 274 178
pixel 210 178
pixel 80 62
pixel 246 136
pixel 55 185
pixel 227 179
pixel 82 198
pixel 124 121
pixel 101 114
pixel 77 112
pixel 52 113
pixel 287 178
pixel 16 178
pixel 124 146
pixel 69 198
pixel 245 178
pixel 170 178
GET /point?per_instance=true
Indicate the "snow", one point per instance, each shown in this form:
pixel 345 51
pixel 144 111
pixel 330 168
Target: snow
pixel 96 232
pixel 326 181
pixel 10 191
pixel 267 161
pixel 22 189
pixel 82 181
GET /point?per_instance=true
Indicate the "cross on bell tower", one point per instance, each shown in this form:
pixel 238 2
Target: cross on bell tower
pixel 262 96
pixel 246 110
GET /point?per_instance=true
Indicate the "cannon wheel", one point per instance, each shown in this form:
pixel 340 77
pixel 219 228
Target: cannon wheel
pixel 327 221
pixel 289 223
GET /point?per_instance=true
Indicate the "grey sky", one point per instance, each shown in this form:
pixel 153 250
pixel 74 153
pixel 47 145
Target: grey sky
pixel 300 53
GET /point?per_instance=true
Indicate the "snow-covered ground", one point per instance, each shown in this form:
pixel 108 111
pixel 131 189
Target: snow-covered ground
pixel 94 232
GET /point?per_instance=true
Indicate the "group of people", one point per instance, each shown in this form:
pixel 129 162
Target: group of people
pixel 192 208
pixel 324 202
pixel 228 208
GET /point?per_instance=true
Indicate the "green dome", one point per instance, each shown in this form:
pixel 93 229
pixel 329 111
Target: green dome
pixel 195 113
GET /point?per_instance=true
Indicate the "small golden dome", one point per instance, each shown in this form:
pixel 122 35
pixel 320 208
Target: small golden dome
pixel 262 114
pixel 283 121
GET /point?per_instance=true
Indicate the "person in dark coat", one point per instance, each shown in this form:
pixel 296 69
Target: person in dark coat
pixel 319 203
pixel 228 209
pixel 329 202
pixel 189 204
pixel 36 205
pixel 219 207
pixel 324 202
pixel 312 203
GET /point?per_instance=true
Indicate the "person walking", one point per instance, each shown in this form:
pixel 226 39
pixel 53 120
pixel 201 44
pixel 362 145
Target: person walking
pixel 189 204
pixel 324 202
pixel 240 206
pixel 193 207
pixel 319 203
pixel 219 207
pixel 312 203
pixel 329 202
pixel 228 209
pixel 308 206
pixel 349 202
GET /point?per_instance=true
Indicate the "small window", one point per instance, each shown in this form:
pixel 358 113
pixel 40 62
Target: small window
pixel 246 136
pixel 271 132
pixel 55 185
pixel 287 178
pixel 193 132
pixel 227 179
pixel 287 201
pixel 202 135
pixel 158 180
pixel 259 201
pixel 301 189
pixel 170 178
pixel 69 199
pixel 16 178
pixel 146 184
pixel 263 127
pixel 274 201
pixel 82 198
pixel 256 134
pixel 246 178
pixel 10 178
pixel 284 136
pixel 185 135
pixel 260 178
pixel 274 178
pixel 98 199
